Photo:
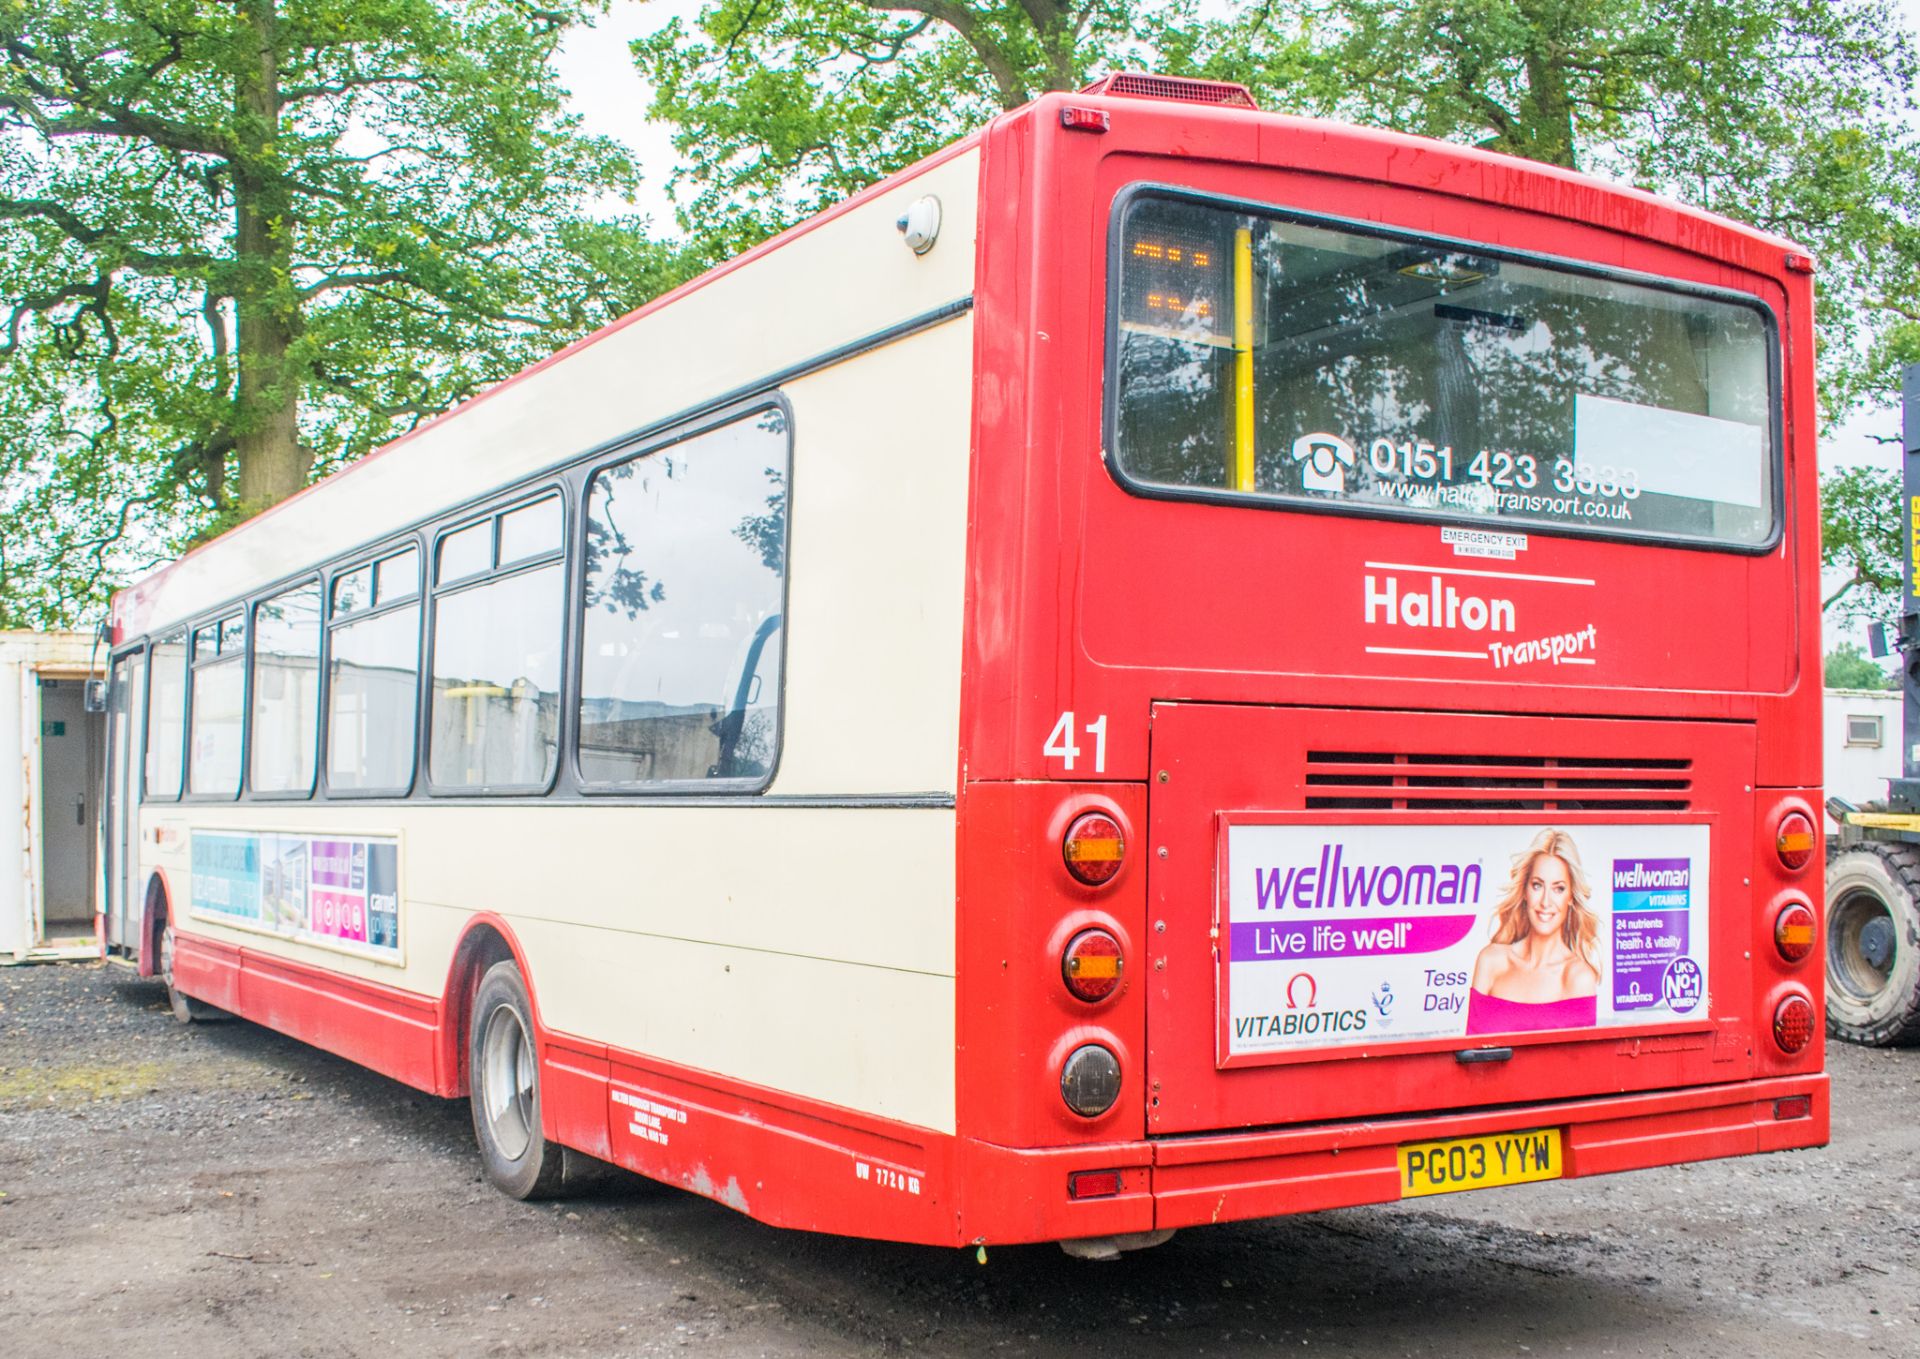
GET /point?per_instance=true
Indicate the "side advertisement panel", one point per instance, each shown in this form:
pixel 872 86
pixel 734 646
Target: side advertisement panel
pixel 339 892
pixel 1340 935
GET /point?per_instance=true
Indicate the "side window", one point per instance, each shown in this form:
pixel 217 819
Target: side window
pixel 286 691
pixel 219 681
pixel 166 715
pixel 498 611
pixel 373 675
pixel 681 652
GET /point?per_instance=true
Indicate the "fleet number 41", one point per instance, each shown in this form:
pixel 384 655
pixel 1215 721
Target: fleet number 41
pixel 1060 744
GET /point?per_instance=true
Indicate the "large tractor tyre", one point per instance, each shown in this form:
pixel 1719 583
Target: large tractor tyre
pixel 1873 944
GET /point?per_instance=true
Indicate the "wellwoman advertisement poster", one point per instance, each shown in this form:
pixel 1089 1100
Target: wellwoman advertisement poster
pixel 1368 934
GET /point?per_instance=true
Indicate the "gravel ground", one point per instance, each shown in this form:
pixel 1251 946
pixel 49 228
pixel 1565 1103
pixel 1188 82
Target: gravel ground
pixel 219 1190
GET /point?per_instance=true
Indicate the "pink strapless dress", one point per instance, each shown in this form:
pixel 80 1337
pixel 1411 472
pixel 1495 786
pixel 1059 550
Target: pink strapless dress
pixel 1490 1014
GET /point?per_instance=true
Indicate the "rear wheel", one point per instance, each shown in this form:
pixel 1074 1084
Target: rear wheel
pixel 185 1008
pixel 1873 944
pixel 505 1076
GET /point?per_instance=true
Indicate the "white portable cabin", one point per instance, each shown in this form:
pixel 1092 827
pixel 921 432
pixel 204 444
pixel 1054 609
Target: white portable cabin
pixel 51 761
pixel 1860 735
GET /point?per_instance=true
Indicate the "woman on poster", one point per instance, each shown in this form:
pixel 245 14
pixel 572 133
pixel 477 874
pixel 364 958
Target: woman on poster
pixel 1539 972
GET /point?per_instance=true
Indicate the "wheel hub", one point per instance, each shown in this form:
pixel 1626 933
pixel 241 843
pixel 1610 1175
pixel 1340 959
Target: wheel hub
pixel 1876 943
pixel 507 1082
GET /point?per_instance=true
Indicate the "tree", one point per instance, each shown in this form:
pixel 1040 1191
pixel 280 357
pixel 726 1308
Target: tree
pixel 1860 526
pixel 1848 667
pixel 1792 115
pixel 786 106
pixel 243 242
pixel 1789 114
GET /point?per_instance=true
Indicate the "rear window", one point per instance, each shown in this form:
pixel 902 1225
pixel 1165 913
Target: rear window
pixel 1266 357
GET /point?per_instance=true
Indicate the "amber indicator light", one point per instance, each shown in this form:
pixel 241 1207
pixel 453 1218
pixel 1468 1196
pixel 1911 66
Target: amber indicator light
pixel 1793 842
pixel 1793 931
pixel 1091 965
pixel 1094 848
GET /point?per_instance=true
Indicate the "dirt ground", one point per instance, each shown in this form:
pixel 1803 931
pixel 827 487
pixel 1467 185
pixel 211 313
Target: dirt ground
pixel 218 1190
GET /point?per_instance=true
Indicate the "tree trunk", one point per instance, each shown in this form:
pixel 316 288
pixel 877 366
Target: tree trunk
pixel 272 463
pixel 1546 113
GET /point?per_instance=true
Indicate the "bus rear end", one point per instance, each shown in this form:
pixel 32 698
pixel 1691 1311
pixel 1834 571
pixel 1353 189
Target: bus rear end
pixel 1391 724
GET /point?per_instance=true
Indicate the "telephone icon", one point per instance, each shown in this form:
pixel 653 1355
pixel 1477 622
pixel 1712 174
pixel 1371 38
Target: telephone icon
pixel 1327 456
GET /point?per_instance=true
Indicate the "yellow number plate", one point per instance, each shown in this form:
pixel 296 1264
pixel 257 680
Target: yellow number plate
pixel 1477 1162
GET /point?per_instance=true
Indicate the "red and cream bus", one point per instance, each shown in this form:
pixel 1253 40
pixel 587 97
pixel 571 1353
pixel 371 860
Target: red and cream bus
pixel 1166 664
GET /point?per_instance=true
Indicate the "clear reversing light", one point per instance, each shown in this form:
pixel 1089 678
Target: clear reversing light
pixel 1793 1024
pixel 1793 842
pixel 1094 848
pixel 1091 965
pixel 1793 931
pixel 1090 1080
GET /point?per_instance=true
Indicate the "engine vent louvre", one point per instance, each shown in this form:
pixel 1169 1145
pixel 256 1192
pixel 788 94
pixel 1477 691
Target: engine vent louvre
pixel 1172 87
pixel 1376 781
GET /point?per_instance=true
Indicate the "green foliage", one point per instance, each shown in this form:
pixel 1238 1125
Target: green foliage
pixel 786 106
pixel 242 243
pixel 1860 543
pixel 1850 668
pixel 1793 115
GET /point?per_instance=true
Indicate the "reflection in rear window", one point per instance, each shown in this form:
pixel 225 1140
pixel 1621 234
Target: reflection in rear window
pixel 1270 358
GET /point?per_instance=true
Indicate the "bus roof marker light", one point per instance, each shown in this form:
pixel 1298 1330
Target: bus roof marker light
pixel 1094 848
pixel 1076 119
pixel 920 224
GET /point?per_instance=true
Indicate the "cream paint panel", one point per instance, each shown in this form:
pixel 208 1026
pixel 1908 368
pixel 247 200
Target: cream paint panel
pixel 864 1038
pixel 868 886
pixel 427 935
pixel 834 915
pixel 827 287
pixel 878 585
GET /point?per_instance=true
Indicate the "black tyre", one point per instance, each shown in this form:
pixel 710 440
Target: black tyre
pixel 504 1068
pixel 1873 944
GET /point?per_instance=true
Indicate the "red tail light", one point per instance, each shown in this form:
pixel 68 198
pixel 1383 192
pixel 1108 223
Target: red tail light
pixel 1093 1184
pixel 1793 842
pixel 1094 848
pixel 1793 931
pixel 1793 1106
pixel 1793 1024
pixel 1092 964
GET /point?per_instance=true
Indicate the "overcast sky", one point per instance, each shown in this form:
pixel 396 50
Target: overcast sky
pixel 611 97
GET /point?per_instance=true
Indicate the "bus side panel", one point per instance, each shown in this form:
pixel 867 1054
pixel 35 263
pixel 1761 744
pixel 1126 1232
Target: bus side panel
pixel 575 1078
pixel 787 1163
pixel 393 1032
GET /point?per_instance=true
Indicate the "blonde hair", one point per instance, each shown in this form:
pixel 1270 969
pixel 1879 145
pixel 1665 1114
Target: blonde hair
pixel 1580 930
